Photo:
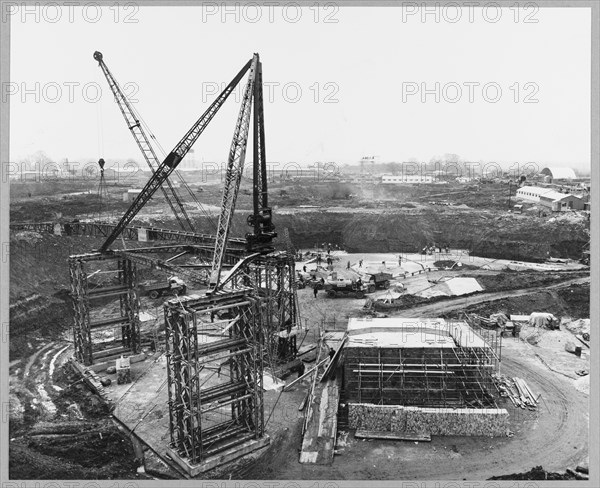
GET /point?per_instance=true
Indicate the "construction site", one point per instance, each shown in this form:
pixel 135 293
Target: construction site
pixel 260 326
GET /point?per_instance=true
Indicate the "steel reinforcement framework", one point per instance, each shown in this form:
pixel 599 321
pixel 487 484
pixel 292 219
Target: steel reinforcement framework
pixel 215 384
pixel 428 377
pixel 122 283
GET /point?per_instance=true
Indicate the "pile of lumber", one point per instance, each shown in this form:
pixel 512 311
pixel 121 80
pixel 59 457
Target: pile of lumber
pixel 484 322
pixel 517 390
pixel 91 379
pixel 392 436
pixel 320 432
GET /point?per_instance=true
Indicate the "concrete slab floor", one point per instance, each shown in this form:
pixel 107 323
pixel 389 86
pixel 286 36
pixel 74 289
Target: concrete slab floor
pixel 141 406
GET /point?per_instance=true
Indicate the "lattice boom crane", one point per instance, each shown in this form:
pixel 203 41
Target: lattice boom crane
pixel 144 144
pixel 173 159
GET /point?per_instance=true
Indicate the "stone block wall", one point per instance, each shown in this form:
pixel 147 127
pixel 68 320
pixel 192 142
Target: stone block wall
pixel 491 422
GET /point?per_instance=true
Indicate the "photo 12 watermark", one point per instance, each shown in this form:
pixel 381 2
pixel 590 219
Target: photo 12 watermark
pixel 469 12
pixel 278 92
pixel 270 12
pixel 56 92
pixel 469 92
pixel 70 12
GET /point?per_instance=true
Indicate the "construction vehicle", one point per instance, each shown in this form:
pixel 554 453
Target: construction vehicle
pixel 378 280
pixel 345 288
pixel 174 285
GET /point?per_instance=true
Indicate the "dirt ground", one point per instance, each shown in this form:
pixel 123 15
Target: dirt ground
pixel 551 436
pixel 550 367
pixel 59 430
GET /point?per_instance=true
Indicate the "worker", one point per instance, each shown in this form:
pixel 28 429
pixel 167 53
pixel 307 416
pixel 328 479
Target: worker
pixel 360 263
pixel 331 353
pixel 315 290
pixel 399 260
pixel 304 268
pixel 348 265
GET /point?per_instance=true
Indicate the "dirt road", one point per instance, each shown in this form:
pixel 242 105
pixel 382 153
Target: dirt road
pixel 443 306
pixel 555 437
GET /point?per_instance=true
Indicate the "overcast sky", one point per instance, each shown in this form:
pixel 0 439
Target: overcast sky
pixel 336 91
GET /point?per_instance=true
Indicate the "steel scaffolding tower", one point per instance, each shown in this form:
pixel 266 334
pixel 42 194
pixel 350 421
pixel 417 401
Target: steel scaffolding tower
pixel 272 277
pixel 125 326
pixel 215 386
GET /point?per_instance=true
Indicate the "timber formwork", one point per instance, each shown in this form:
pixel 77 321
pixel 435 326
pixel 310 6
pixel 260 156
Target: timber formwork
pixel 114 276
pixel 214 373
pixel 429 377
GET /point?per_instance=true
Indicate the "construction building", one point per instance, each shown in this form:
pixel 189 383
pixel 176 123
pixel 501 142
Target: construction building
pixel 420 376
pixel 406 178
pixel 551 199
pixel 131 194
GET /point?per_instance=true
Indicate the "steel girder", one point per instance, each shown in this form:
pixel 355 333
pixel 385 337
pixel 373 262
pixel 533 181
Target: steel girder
pixel 233 174
pixel 82 340
pixel 261 218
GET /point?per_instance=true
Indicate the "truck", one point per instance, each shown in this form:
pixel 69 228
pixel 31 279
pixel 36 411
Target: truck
pixel 173 285
pixel 345 288
pixel 378 280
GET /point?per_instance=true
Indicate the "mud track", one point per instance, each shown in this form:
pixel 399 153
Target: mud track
pixel 444 306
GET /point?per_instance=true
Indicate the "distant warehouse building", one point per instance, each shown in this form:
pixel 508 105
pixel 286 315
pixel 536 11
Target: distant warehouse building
pixel 559 173
pixel 131 195
pixel 551 199
pixel 405 178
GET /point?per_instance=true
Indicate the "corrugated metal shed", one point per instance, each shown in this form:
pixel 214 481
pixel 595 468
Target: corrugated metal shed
pixel 560 173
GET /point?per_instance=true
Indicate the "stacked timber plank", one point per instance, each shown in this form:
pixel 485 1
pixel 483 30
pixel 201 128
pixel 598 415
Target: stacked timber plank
pixel 392 436
pixel 318 443
pixel 517 390
pixel 483 321
pixel 91 379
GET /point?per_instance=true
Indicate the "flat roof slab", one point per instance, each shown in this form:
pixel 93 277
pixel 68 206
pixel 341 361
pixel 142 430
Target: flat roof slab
pixel 400 332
